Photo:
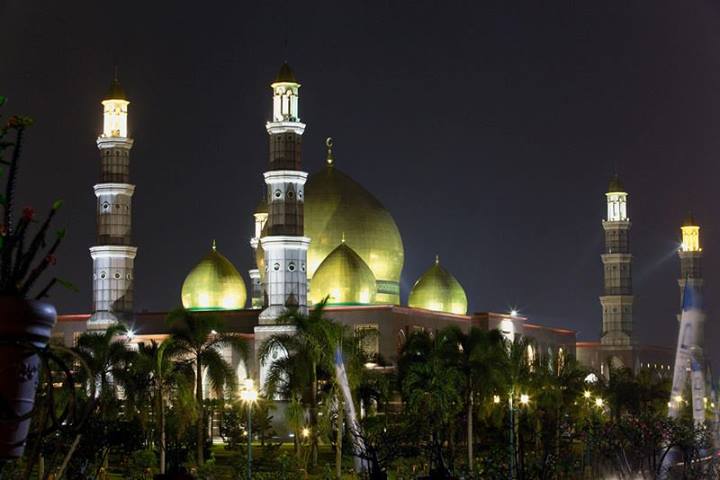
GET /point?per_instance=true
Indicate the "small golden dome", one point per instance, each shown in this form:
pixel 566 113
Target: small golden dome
pixel 214 284
pixel 344 278
pixel 438 290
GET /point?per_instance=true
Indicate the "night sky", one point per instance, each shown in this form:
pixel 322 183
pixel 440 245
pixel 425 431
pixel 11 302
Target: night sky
pixel 489 131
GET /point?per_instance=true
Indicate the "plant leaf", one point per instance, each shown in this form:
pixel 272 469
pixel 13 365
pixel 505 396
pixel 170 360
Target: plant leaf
pixel 2 100
pixel 61 233
pixel 57 204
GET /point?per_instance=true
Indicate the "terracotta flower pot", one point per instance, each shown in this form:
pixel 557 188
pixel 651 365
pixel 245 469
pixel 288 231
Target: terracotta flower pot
pixel 27 321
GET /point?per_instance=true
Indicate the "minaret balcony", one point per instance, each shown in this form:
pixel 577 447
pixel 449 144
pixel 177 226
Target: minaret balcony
pixel 115 142
pixel 274 128
pixel 102 189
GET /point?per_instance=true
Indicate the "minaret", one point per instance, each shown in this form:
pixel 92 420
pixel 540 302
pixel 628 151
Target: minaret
pixel 283 243
pixel 113 256
pixel 257 294
pixel 617 299
pixel 690 254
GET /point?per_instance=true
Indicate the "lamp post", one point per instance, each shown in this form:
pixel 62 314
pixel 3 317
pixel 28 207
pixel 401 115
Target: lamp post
pixel 249 395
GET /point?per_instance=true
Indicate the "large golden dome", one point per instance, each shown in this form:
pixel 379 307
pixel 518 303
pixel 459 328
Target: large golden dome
pixel 344 278
pixel 214 284
pixel 337 207
pixel 438 290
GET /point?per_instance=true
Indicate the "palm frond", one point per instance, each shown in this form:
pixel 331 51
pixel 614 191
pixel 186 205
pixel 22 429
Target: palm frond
pixel 219 373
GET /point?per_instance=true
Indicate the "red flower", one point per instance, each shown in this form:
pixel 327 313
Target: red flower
pixel 51 259
pixel 28 213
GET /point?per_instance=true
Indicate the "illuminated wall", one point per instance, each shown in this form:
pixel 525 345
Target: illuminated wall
pixel 115 118
pixel 617 206
pixel 690 238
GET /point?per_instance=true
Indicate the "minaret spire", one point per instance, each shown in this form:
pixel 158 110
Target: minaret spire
pixel 283 242
pixel 617 299
pixel 113 256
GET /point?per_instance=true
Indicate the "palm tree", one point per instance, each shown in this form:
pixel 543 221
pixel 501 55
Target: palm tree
pixel 431 387
pixel 295 415
pixel 157 372
pixel 556 389
pixel 199 338
pixel 307 358
pixel 107 356
pixel 517 369
pixel 479 356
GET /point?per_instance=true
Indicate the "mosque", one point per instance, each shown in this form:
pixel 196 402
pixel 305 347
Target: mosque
pixel 323 235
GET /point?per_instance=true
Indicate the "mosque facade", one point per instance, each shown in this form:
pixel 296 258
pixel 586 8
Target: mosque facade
pixel 323 236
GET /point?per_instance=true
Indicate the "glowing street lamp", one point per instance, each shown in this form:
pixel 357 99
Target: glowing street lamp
pixel 524 401
pixel 305 432
pixel 496 399
pixel 249 395
pixel 587 394
pixel 599 402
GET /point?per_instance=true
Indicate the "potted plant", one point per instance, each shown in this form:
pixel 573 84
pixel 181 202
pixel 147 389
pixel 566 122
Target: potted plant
pixel 26 321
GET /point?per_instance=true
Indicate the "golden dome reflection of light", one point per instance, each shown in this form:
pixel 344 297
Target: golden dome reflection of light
pixel 343 278
pixel 438 290
pixel 214 284
pixel 335 204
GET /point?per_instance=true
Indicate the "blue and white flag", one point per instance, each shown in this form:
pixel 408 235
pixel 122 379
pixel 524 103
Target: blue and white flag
pixel 351 418
pixel 689 356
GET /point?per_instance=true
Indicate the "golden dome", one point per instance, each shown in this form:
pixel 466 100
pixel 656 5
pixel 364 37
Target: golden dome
pixel 438 290
pixel 214 284
pixel 344 278
pixel 337 206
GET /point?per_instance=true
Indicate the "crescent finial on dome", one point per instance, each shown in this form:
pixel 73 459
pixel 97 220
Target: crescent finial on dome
pixel 330 157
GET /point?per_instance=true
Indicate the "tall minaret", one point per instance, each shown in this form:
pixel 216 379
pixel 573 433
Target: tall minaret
pixel 113 256
pixel 617 298
pixel 690 254
pixel 284 245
